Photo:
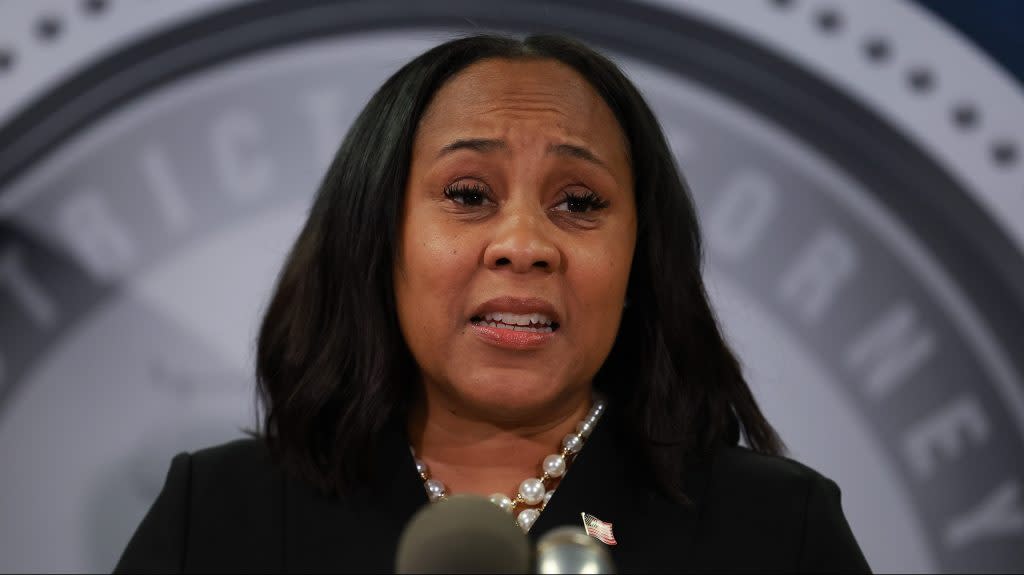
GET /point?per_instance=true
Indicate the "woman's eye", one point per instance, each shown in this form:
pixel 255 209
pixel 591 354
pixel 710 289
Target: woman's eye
pixel 581 202
pixel 466 194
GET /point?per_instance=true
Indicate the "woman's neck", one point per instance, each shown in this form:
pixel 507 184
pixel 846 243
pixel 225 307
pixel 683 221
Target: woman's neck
pixel 474 455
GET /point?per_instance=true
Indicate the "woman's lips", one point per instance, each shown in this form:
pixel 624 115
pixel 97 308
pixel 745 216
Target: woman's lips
pixel 508 337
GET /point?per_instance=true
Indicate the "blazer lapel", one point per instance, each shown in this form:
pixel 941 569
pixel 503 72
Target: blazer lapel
pixel 609 480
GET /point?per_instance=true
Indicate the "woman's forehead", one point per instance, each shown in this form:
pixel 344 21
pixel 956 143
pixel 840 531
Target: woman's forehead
pixel 519 101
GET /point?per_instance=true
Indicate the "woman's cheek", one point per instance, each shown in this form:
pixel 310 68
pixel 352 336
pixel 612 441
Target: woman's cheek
pixel 437 249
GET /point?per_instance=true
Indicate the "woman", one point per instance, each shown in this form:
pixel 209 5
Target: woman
pixel 498 291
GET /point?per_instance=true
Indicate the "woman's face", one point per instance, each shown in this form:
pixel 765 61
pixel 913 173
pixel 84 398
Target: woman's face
pixel 518 235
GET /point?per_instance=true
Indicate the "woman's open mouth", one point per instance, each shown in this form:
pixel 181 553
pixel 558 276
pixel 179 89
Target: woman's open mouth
pixel 514 331
pixel 528 323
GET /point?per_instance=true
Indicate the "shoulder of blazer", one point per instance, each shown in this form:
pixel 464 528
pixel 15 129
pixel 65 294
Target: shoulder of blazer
pixel 768 471
pixel 761 482
pixel 239 474
pixel 759 503
pixel 220 510
pixel 782 512
pixel 236 507
pixel 237 458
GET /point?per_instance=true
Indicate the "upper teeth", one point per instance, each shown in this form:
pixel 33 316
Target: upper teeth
pixel 518 319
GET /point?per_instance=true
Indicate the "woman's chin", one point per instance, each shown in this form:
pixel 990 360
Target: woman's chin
pixel 518 400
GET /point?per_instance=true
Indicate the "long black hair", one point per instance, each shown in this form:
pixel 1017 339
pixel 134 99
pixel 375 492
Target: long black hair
pixel 333 368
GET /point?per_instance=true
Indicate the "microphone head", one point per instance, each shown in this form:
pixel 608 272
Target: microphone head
pixel 463 534
pixel 571 550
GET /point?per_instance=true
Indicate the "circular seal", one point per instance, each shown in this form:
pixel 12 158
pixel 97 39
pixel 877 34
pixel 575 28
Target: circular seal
pixel 148 201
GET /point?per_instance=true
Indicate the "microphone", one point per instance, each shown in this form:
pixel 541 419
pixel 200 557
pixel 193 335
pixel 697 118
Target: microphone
pixel 463 534
pixel 571 550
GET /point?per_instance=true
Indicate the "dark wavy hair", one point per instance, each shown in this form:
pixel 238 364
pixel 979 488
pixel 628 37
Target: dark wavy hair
pixel 333 368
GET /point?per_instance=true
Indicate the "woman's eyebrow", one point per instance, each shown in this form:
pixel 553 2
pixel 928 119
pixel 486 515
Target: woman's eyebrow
pixel 575 151
pixel 484 145
pixel 481 145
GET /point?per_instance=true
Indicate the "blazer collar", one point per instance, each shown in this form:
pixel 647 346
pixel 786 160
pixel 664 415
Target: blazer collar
pixel 608 479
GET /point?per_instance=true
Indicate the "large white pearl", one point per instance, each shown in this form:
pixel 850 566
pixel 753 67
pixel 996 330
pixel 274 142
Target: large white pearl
pixel 554 465
pixel 584 427
pixel 526 518
pixel 421 467
pixel 547 497
pixel 531 490
pixel 502 501
pixel 435 489
pixel 572 442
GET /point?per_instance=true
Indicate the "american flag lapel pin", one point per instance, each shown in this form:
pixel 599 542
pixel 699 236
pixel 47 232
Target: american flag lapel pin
pixel 598 529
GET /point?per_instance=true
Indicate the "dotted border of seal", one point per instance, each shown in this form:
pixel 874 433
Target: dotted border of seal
pixel 44 41
pixel 912 69
pixel 921 79
pixel 53 37
pixel 48 27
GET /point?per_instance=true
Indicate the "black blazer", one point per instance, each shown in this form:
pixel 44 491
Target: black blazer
pixel 230 508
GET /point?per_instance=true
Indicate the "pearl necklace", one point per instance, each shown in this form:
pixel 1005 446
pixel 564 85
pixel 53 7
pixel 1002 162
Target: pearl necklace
pixel 532 491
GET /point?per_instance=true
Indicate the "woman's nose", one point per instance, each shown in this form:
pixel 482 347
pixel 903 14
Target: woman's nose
pixel 521 245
